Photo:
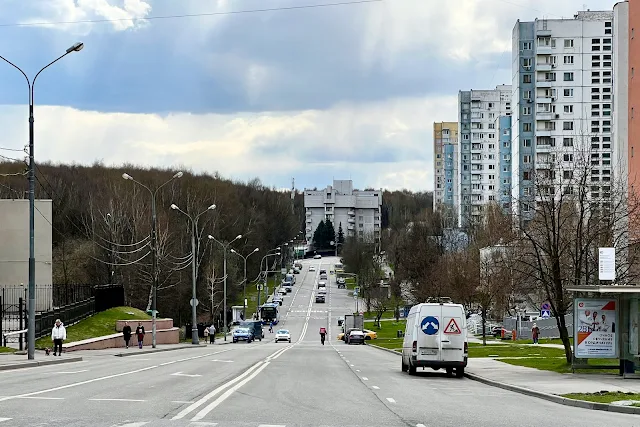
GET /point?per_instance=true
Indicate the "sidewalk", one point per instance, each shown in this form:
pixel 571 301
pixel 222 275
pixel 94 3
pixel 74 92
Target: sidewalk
pixel 19 361
pixel 473 339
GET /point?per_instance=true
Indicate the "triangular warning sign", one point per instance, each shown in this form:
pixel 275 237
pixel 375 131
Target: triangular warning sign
pixel 452 327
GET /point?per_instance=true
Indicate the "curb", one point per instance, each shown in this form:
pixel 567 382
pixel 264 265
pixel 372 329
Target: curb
pixel 33 364
pixel 554 398
pixel 158 350
pixel 385 349
pixel 546 396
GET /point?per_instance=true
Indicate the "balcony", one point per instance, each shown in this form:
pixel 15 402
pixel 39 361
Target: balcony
pixel 545 66
pixel 308 213
pixel 543 132
pixel 309 220
pixel 545 83
pixel 542 99
pixel 351 227
pixel 545 115
pixel 543 49
pixel 351 220
pixel 352 212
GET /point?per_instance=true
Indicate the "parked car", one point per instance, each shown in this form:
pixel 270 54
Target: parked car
pixel 317 256
pixel 370 335
pixel 254 327
pixel 356 336
pixel 277 300
pixel 283 335
pixel 320 298
pixel 340 320
pixel 341 281
pixel 296 270
pixel 242 334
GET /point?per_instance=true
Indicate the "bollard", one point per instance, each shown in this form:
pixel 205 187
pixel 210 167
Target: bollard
pixel 502 331
pixel 514 334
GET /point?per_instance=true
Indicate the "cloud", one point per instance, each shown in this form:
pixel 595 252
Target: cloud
pixel 386 144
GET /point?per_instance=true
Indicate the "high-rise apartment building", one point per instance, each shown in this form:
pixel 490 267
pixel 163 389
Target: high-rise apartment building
pixel 445 165
pixel 562 98
pixel 479 165
pixel 633 87
pixel 358 211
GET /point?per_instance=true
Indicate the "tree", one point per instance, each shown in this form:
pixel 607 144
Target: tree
pixel 319 236
pixel 573 214
pixel 340 234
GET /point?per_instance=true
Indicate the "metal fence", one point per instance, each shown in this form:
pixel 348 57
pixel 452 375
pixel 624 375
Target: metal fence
pixel 69 314
pixel 548 327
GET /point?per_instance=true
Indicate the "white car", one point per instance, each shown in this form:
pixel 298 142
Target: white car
pixel 340 281
pixel 312 268
pixel 317 256
pixel 322 291
pixel 322 284
pixel 283 335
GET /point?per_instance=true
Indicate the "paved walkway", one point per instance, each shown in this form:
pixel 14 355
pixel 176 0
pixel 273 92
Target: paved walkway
pixel 507 342
pixel 549 382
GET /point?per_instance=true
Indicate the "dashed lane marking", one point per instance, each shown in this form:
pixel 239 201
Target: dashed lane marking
pixel 391 400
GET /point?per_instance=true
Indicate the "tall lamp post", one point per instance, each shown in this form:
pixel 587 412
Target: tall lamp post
pixel 336 244
pixel 266 269
pixel 224 298
pixel 244 282
pixel 356 277
pixel 31 326
pixel 194 256
pixel 154 249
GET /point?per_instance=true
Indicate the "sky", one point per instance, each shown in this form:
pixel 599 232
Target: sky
pixel 314 90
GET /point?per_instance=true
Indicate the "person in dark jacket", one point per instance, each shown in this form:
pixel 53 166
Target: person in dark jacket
pixel 126 333
pixel 140 334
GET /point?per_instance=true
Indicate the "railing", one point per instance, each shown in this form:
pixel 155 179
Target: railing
pixel 69 315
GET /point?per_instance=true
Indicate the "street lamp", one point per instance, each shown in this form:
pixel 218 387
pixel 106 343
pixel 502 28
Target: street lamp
pixel 194 255
pixel 244 282
pixel 266 269
pixel 31 326
pixel 154 248
pixel 336 244
pixel 356 276
pixel 224 302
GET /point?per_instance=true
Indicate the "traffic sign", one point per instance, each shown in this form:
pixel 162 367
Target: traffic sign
pixel 194 300
pixel 430 325
pixel 259 286
pixel 546 306
pixel 545 314
pixel 452 327
pixel 356 289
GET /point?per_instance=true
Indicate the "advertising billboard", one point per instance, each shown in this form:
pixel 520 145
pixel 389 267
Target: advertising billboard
pixel 595 328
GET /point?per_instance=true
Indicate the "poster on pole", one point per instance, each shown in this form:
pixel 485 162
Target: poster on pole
pixel 607 264
pixel 595 328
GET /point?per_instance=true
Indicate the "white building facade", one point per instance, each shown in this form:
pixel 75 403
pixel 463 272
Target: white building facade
pixel 358 211
pixel 445 170
pixel 479 113
pixel 562 97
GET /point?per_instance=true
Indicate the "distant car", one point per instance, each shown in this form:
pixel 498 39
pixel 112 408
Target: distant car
pixel 340 320
pixel 322 291
pixel 317 256
pixel 283 335
pixel 242 334
pixel 320 298
pixel 340 281
pixel 356 337
pixel 370 335
pixel 323 276
pixel 282 291
pixel 323 271
pixel 296 270
pixel 277 300
pixel 322 284
pixel 312 268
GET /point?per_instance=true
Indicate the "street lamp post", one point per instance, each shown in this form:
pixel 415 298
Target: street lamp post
pixel 356 276
pixel 154 249
pixel 244 282
pixel 336 244
pixel 224 298
pixel 266 269
pixel 31 327
pixel 194 255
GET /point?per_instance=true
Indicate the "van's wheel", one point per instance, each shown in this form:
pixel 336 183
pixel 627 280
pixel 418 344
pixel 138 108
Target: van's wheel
pixel 459 372
pixel 449 372
pixel 412 369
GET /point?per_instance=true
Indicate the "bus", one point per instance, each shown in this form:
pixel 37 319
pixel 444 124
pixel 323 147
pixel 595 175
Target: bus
pixel 270 312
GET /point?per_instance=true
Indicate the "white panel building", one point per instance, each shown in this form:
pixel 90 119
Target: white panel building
pixel 562 96
pixel 479 159
pixel 359 211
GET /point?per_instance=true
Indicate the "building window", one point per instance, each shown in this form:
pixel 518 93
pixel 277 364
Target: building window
pixel 568 92
pixel 568 77
pixel 568 59
pixel 526 127
pixel 526 111
pixel 526 159
pixel 567 142
pixel 568 42
pixel 526 78
pixel 568 157
pixel 567 125
pixel 526 45
pixel 526 94
pixel 568 109
pixel 526 142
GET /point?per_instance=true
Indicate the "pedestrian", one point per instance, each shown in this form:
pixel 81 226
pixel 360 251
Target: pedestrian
pixel 271 327
pixel 206 334
pixel 535 333
pixel 126 333
pixel 212 334
pixel 58 334
pixel 140 334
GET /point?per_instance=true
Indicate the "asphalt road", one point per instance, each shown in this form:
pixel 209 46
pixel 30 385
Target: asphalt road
pixel 272 384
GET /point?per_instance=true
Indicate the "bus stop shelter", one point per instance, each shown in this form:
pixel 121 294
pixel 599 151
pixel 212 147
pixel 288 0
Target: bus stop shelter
pixel 606 325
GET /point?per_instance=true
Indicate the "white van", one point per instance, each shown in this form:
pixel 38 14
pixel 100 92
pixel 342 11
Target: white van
pixel 435 337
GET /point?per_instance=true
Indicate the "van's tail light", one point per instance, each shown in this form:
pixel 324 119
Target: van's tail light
pixel 415 346
pixel 466 347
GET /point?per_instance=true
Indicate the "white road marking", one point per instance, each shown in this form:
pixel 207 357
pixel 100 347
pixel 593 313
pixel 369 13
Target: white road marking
pixel 42 397
pixel 202 423
pixel 357 370
pixel 182 401
pixel 365 379
pixel 223 361
pixel 117 400
pixel 180 374
pixel 391 400
pixel 375 387
pixel 420 425
pixel 71 372
pixel 352 365
pixel 138 424
pixel 134 358
pixel 272 425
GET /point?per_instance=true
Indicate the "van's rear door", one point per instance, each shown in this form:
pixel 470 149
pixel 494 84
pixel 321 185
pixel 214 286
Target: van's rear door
pixel 453 333
pixel 428 325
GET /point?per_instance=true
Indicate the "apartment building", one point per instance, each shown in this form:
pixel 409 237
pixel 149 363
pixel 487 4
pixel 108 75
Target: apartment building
pixel 479 113
pixel 562 97
pixel 358 211
pixel 445 165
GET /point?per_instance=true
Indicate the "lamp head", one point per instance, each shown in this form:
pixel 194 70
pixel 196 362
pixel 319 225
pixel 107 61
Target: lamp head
pixel 256 249
pixel 210 208
pixel 239 236
pixel 178 175
pixel 174 206
pixel 77 47
pixel 127 176
pixel 210 237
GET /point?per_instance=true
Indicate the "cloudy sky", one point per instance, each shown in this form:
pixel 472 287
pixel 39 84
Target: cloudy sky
pixel 234 86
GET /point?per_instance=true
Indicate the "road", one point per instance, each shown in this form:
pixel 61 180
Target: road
pixel 271 384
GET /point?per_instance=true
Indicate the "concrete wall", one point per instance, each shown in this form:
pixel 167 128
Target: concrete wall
pixel 160 324
pixel 14 250
pixel 166 336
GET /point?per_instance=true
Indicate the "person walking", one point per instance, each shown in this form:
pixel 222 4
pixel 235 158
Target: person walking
pixel 212 334
pixel 140 334
pixel 271 327
pixel 535 333
pixel 58 335
pixel 206 334
pixel 126 333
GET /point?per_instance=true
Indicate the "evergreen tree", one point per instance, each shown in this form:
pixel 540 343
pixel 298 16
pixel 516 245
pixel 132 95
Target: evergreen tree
pixel 340 234
pixel 329 234
pixel 318 236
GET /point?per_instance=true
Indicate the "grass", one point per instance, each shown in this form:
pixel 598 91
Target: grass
pixel 560 365
pixel 604 396
pixel 527 341
pixel 7 350
pixel 512 350
pixel 371 315
pixel 103 323
pixel 252 296
pixel 388 330
pixel 390 343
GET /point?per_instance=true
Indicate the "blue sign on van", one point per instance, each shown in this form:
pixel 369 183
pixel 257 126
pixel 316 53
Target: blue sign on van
pixel 430 325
